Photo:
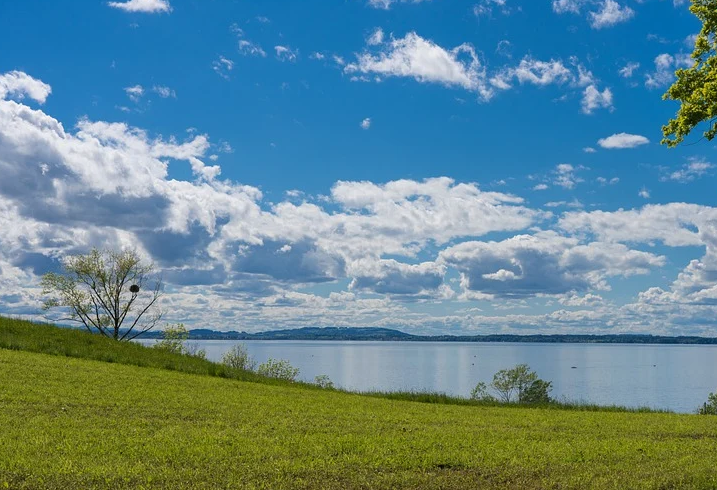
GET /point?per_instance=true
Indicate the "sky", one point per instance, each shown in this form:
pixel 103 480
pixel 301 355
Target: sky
pixel 435 166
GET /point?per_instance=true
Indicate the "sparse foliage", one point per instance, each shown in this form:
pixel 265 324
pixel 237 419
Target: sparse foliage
pixel 696 87
pixel 519 384
pixel 323 381
pixel 279 369
pixel 110 292
pixel 480 393
pixel 174 339
pixel 238 358
pixel 710 407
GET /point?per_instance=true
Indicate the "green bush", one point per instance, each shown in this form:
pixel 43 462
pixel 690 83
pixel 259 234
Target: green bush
pixel 519 384
pixel 174 338
pixel 279 369
pixel 238 358
pixel 323 381
pixel 710 407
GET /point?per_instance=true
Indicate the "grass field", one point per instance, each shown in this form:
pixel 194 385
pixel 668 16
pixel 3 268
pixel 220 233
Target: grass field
pixel 68 422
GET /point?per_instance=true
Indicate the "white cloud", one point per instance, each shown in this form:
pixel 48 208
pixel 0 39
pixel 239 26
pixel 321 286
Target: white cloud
pixel 644 193
pixel 621 141
pixel 386 4
pixel 564 176
pixel 629 69
pixel 284 53
pixel 535 72
pixel 486 7
pixel 594 99
pixel 540 187
pixel 604 181
pixel 689 172
pixel 222 66
pixel 135 93
pixel 376 37
pixel 543 264
pixel 564 204
pixel 672 224
pixel 408 281
pixel 610 13
pixel 248 48
pixel 164 91
pixel 366 123
pixel 223 249
pixel 20 85
pixel 423 60
pixel 665 66
pixel 563 6
pixel 147 6
pixel 586 300
pixel 589 149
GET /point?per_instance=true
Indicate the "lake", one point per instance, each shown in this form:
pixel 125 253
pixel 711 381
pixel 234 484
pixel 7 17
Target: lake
pixel 673 377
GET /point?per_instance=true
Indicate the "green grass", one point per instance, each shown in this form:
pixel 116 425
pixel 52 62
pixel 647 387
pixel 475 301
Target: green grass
pixel 69 422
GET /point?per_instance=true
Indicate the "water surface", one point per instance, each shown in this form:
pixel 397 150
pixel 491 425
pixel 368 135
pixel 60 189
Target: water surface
pixel 673 377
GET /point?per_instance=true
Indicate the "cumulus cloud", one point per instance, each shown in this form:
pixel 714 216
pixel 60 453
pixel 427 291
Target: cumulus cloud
pixel 146 6
pixel 235 260
pixel 400 280
pixel 425 61
pixel 593 99
pixel 366 123
pixel 621 141
pixel 610 13
pixel 543 264
pixel 565 176
pixel 665 66
pixel 16 84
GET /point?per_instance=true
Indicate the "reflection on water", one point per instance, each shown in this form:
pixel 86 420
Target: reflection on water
pixel 674 377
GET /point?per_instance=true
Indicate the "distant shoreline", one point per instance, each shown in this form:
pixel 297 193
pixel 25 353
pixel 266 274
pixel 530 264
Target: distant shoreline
pixel 390 335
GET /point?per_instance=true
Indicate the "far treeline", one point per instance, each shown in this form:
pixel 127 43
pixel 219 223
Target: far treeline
pixel 387 334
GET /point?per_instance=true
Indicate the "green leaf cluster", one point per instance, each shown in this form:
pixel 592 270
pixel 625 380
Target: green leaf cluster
pixel 696 87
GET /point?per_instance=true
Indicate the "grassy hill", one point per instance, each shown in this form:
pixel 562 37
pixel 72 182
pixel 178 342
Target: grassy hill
pixel 152 420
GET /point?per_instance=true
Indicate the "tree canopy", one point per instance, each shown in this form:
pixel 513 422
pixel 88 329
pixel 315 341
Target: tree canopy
pixel 104 290
pixel 696 87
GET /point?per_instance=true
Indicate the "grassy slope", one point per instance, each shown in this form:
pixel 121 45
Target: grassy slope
pixel 77 423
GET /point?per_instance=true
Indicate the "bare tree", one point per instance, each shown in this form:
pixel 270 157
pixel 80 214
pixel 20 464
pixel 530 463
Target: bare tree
pixel 104 290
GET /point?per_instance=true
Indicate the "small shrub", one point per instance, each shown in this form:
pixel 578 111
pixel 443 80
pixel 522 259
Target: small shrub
pixel 279 369
pixel 238 358
pixel 194 350
pixel 323 381
pixel 537 392
pixel 173 338
pixel 710 407
pixel 519 384
pixel 480 393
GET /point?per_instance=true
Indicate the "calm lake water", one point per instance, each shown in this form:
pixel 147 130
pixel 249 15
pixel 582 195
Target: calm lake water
pixel 674 377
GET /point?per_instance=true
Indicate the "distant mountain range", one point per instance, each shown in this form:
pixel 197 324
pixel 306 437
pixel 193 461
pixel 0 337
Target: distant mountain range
pixel 387 334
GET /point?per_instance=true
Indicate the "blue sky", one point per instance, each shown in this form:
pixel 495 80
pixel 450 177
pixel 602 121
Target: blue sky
pixel 434 166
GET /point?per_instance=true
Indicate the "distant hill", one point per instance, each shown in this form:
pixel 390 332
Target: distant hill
pixel 388 334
